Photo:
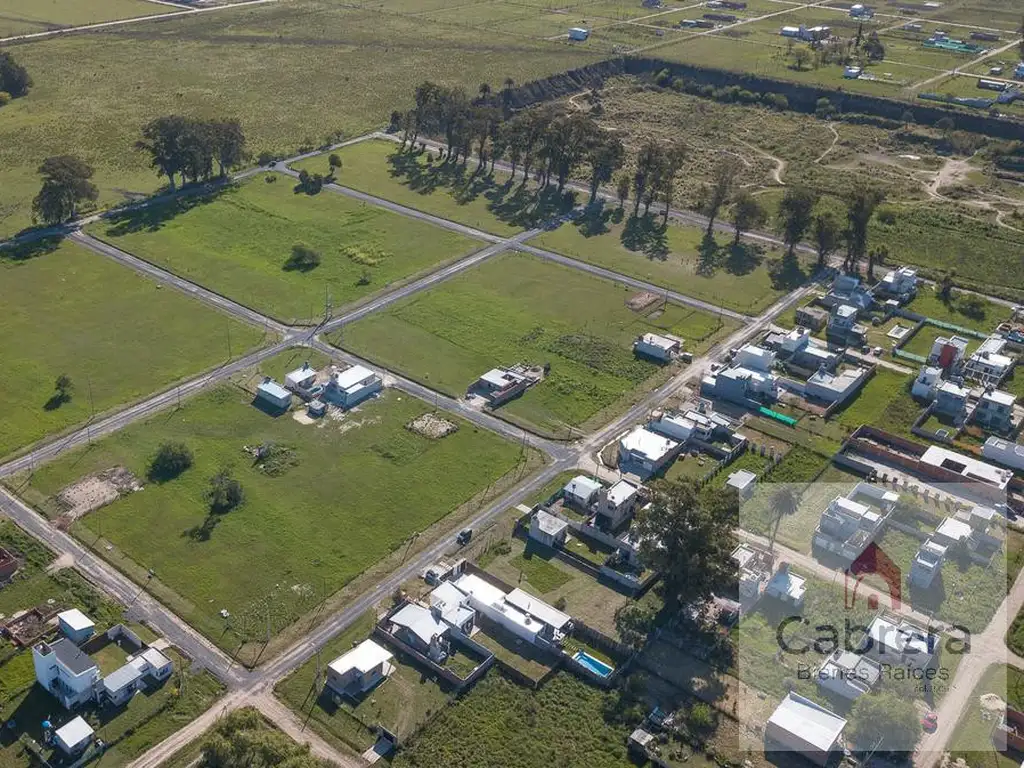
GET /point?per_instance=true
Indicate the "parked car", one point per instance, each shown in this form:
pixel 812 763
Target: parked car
pixel 464 536
pixel 930 722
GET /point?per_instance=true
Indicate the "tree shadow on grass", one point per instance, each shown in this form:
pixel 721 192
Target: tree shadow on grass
pixel 743 258
pixel 595 219
pixel 708 255
pixel 153 217
pixel 645 234
pixel 31 250
pixel 57 399
pixel 786 274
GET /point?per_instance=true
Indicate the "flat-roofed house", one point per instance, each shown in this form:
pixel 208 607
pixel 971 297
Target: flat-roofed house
pixel 657 347
pixel 968 467
pixel 300 379
pixel 353 385
pixel 581 492
pixel 617 504
pixel 896 641
pixel 272 393
pixel 849 674
pixel 646 452
pixel 357 671
pixel 801 726
pixel 1006 452
pixel 988 364
pixel 75 625
pixel 499 385
pixel 995 410
pixel 548 529
pixel 73 737
pixel 927 563
pixel 120 685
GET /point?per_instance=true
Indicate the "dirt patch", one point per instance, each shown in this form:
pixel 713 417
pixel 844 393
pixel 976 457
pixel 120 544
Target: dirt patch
pixel 638 302
pixel 432 426
pixel 95 491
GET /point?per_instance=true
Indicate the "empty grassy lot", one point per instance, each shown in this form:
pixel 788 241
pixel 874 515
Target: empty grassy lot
pixel 673 256
pixel 922 341
pixel 930 304
pixel 885 402
pixel 18 17
pixel 501 724
pixel 518 308
pixel 349 493
pixel 293 73
pixel 118 335
pixel 457 193
pixel 238 243
pixel 972 739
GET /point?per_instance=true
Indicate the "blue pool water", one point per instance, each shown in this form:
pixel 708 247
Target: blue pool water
pixel 596 666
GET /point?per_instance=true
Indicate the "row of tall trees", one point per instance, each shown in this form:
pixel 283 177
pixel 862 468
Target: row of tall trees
pixel 14 78
pixel 192 148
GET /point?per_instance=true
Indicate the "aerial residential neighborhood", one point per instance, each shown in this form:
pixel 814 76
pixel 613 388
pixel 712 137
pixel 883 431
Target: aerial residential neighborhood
pixel 511 384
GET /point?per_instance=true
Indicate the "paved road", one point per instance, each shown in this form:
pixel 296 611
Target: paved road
pixel 134 20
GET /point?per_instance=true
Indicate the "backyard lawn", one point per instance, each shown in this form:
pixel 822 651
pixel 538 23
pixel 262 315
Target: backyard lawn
pixel 457 193
pixel 239 241
pixel 499 724
pixel 341 496
pixel 118 336
pixel 884 402
pixel 921 342
pixel 735 278
pixel 521 309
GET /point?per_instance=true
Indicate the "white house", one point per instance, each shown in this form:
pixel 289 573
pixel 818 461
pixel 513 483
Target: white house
pixel 848 674
pixel 581 491
pixel 353 385
pixel 834 387
pixel 422 629
pixel 787 587
pixel 273 394
pixel 896 641
pixel 795 340
pixel 75 625
pixel 452 605
pixel 357 671
pixel 548 529
pixel 755 570
pixel 901 283
pixel 968 467
pixel 927 563
pixel 646 451
pixel 988 364
pixel 617 504
pixel 739 385
pixel 121 684
pixel 657 347
pixel 578 33
pixel 153 663
pixel 1006 452
pixel 499 385
pixel 300 379
pixel 523 615
pixel 754 358
pixel 951 400
pixel 814 356
pixel 995 410
pixel 948 353
pixel 65 671
pixel 73 737
pixel 927 382
pixel 847 526
pixel 801 726
pixel 742 481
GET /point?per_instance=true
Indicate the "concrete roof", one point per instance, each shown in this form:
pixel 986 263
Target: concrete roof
pixel 621 492
pixel 154 658
pixel 1000 397
pixel 120 678
pixel 363 657
pixel 740 479
pixel 662 342
pixel 582 487
pixel 75 732
pixel 71 656
pixel 301 374
pixel 481 590
pixel 550 524
pixel 812 723
pixel 352 376
pixel 537 608
pixel 938 456
pixel 953 529
pixel 75 619
pixel 648 444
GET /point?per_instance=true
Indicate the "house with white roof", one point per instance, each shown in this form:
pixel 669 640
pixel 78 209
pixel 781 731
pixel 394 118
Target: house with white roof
pixel 995 410
pixel 834 387
pixel 74 737
pixel 848 525
pixel 951 400
pixel 662 348
pixel 741 385
pixel 968 467
pixel 787 587
pixel 989 364
pixel 549 530
pixel 301 379
pixel 848 674
pixel 1005 452
pixel 742 481
pixel 121 684
pixel 422 629
pixel 894 640
pixel 581 492
pixel 927 382
pixel 75 625
pixel 754 358
pixel 948 353
pixel 801 726
pixel 816 357
pixel 617 504
pixel 899 283
pixel 500 385
pixel 927 563
pixel 357 671
pixel 645 452
pixel 843 325
pixel 273 394
pixel 353 385
pixel 519 613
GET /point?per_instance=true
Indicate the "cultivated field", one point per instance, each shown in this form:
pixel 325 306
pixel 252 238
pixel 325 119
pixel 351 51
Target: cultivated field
pixel 18 17
pixel 338 496
pixel 118 335
pixel 518 308
pixel 293 73
pixel 238 242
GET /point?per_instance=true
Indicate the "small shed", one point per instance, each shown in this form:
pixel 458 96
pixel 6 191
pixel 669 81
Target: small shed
pixel 74 737
pixel 269 391
pixel 75 625
pixel 316 408
pixel 579 33
pixel 301 379
pixel 548 529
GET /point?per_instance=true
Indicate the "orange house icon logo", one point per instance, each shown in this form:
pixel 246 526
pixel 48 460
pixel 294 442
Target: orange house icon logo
pixel 873 560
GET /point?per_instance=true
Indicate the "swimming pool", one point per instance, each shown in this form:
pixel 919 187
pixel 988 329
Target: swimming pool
pixel 596 666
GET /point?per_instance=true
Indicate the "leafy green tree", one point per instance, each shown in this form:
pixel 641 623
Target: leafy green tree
pixel 649 161
pixel 861 202
pixel 747 213
pixel 634 622
pixel 334 162
pixel 66 184
pixel 882 721
pixel 302 259
pixel 63 388
pixel 688 537
pixel 716 194
pixel 14 78
pixel 605 156
pixel 622 185
pixel 827 234
pixel 946 285
pixel 796 211
pixel 225 493
pixel 170 461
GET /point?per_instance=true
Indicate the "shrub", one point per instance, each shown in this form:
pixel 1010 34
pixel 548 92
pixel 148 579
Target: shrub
pixel 5 98
pixel 170 461
pixel 225 493
pixel 560 603
pixel 302 259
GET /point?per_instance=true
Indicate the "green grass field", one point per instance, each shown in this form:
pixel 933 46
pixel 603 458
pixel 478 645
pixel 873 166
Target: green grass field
pixel 518 308
pixel 921 342
pixel 972 739
pixel 499 723
pixel 238 243
pixel 18 17
pixel 736 279
pixel 476 200
pixel 118 335
pixel 352 491
pixel 885 402
pixel 928 303
pixel 293 73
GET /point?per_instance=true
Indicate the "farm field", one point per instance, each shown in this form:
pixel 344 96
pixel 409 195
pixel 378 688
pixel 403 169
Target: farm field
pixel 476 200
pixel 500 724
pixel 673 257
pixel 518 308
pixel 118 335
pixel 238 242
pixel 218 64
pixel 291 518
pixel 19 17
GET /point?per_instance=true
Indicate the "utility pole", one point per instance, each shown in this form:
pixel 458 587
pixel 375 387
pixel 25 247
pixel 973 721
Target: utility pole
pixel 229 339
pixel 92 409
